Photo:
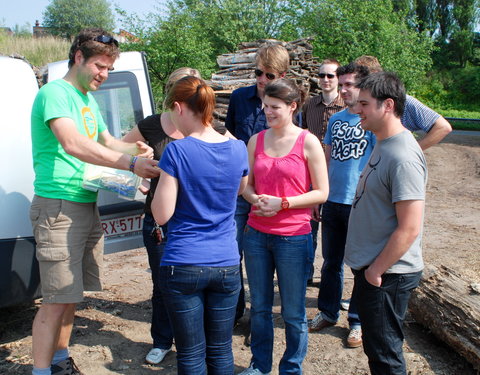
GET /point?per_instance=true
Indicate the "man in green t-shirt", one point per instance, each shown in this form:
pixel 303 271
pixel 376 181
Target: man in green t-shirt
pixel 68 131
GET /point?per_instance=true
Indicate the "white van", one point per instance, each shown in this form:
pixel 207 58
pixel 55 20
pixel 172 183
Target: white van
pixel 125 98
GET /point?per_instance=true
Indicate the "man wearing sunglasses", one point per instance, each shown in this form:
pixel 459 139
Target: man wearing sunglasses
pixel 245 117
pixel 315 115
pixel 67 132
pixel 318 109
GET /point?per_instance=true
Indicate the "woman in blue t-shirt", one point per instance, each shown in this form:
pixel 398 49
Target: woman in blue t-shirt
pixel 201 177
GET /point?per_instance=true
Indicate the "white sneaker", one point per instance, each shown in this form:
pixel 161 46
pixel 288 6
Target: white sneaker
pixel 156 355
pixel 354 339
pixel 253 371
pixel 345 304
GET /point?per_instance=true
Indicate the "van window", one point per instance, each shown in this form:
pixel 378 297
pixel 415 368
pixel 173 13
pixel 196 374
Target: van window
pixel 119 101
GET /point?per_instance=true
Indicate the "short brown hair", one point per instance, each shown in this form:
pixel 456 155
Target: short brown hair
pixel 274 57
pixel 330 61
pixel 385 85
pixel 371 62
pixel 287 91
pixel 86 42
pixel 196 94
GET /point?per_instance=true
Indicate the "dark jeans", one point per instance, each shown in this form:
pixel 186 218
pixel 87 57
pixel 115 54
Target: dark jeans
pixel 241 217
pixel 160 329
pixel 315 225
pixel 201 304
pixel 290 257
pixel 334 235
pixel 382 311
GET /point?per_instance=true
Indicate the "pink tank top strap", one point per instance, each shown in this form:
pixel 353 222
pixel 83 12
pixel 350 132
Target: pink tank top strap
pixel 298 148
pixel 260 143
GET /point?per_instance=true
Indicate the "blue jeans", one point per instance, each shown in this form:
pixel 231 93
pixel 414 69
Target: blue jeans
pixel 291 257
pixel 382 311
pixel 241 217
pixel 334 235
pixel 201 304
pixel 160 329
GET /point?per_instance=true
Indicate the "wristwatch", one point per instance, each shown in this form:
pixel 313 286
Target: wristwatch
pixel 285 203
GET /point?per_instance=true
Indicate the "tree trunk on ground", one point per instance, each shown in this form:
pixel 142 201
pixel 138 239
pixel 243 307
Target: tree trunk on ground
pixel 450 307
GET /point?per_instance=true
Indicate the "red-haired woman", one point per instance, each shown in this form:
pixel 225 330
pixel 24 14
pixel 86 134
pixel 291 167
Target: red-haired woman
pixel 201 177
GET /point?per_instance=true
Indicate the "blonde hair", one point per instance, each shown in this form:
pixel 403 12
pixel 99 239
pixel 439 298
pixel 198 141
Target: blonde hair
pixel 178 74
pixel 371 62
pixel 274 57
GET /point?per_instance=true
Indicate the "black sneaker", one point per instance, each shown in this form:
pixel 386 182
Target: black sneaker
pixel 65 367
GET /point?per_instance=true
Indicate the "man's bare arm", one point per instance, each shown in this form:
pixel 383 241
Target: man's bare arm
pixel 438 131
pixel 137 147
pixel 89 151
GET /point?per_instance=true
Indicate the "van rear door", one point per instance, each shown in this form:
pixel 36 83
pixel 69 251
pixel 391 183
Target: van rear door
pixel 19 277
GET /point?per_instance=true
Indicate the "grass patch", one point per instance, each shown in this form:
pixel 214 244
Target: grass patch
pixel 465 125
pixel 462 125
pixel 38 51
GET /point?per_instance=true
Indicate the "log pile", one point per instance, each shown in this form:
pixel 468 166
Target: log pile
pixel 450 307
pixel 237 70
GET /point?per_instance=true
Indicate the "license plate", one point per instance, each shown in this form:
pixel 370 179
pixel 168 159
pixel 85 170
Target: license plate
pixel 122 225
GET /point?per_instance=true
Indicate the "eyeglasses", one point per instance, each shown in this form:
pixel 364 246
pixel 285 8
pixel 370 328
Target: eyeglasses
pixel 105 39
pixel 329 76
pixel 270 76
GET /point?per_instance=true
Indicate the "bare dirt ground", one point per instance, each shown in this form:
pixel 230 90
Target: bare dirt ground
pixel 111 332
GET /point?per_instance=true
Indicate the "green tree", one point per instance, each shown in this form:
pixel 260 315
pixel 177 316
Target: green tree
pixel 66 18
pixel 226 23
pixel 346 30
pixel 169 43
pixel 425 16
pixel 194 32
pixel 465 13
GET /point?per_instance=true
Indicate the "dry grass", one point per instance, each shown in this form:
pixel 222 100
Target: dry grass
pixel 38 51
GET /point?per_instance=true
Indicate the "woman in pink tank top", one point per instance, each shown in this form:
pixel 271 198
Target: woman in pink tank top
pixel 288 177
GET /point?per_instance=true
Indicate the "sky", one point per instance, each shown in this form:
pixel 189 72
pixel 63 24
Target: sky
pixel 21 12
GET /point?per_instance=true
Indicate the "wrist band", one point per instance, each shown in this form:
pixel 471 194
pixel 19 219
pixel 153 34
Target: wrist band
pixel 133 160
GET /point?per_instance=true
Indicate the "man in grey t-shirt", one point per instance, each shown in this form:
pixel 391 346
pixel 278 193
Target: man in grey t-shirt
pixel 385 228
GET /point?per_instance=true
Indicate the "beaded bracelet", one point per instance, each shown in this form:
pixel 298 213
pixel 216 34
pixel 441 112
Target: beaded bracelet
pixel 133 160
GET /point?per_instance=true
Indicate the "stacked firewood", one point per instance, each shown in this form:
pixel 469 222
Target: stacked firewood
pixel 238 70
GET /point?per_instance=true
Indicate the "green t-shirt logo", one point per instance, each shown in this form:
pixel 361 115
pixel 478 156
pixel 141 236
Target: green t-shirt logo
pixel 89 122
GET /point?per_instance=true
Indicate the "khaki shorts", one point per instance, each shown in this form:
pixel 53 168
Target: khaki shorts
pixel 69 248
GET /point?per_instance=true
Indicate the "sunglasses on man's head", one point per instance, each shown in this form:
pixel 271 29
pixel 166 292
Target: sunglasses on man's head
pixel 323 75
pixel 270 76
pixel 105 39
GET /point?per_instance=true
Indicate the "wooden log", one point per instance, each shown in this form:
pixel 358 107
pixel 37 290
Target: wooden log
pixel 238 66
pixel 450 307
pixel 222 100
pixel 221 117
pixel 221 106
pixel 225 93
pixel 235 82
pixel 235 58
pixel 227 77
